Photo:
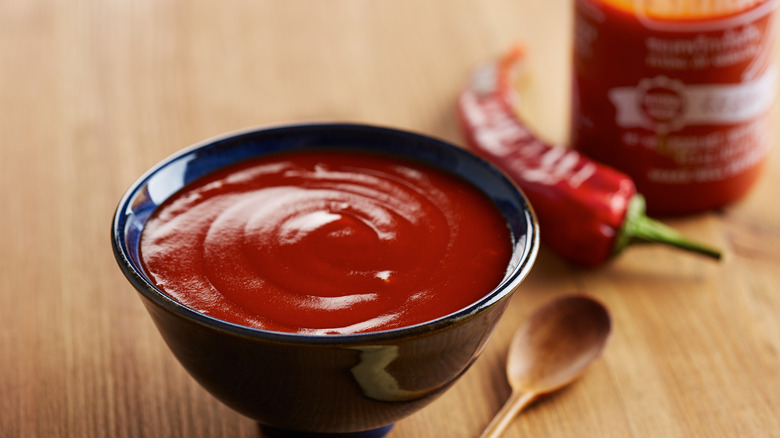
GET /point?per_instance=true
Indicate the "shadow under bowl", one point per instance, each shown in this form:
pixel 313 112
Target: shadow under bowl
pixel 293 385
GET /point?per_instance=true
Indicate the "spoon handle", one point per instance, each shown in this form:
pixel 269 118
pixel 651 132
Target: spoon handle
pixel 516 402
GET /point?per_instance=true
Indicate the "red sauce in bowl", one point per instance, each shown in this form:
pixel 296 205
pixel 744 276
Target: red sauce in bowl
pixel 325 242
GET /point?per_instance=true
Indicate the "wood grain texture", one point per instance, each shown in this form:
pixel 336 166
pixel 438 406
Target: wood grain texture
pixel 92 93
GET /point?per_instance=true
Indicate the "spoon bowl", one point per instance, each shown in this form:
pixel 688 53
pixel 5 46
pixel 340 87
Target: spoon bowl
pixel 552 349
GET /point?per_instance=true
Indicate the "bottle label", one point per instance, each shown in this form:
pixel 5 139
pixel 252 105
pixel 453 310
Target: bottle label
pixel 666 105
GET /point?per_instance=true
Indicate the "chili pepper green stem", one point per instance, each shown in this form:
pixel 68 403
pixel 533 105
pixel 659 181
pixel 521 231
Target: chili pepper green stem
pixel 637 227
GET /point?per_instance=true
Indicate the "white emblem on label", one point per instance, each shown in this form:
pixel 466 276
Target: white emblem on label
pixel 665 105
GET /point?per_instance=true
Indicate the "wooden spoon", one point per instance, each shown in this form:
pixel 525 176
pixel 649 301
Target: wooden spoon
pixel 551 350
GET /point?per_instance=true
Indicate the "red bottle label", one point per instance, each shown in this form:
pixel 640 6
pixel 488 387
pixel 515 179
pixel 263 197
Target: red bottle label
pixel 682 105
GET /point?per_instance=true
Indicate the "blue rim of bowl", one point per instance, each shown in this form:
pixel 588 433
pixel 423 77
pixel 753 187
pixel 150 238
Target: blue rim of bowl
pixel 522 260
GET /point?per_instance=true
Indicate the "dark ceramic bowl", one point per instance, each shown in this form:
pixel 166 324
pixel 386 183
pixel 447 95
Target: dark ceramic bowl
pixel 329 385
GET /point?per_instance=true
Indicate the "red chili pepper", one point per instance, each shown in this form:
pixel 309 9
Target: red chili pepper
pixel 587 211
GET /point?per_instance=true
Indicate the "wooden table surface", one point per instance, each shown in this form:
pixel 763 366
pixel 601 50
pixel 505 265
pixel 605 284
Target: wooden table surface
pixel 92 93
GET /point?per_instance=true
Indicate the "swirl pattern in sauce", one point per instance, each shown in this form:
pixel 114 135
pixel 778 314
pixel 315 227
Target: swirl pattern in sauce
pixel 327 242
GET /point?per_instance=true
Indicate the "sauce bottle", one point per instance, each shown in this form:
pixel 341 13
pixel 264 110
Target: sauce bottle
pixel 676 93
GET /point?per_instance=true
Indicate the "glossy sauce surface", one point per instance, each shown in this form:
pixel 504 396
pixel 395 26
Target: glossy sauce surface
pixel 327 243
